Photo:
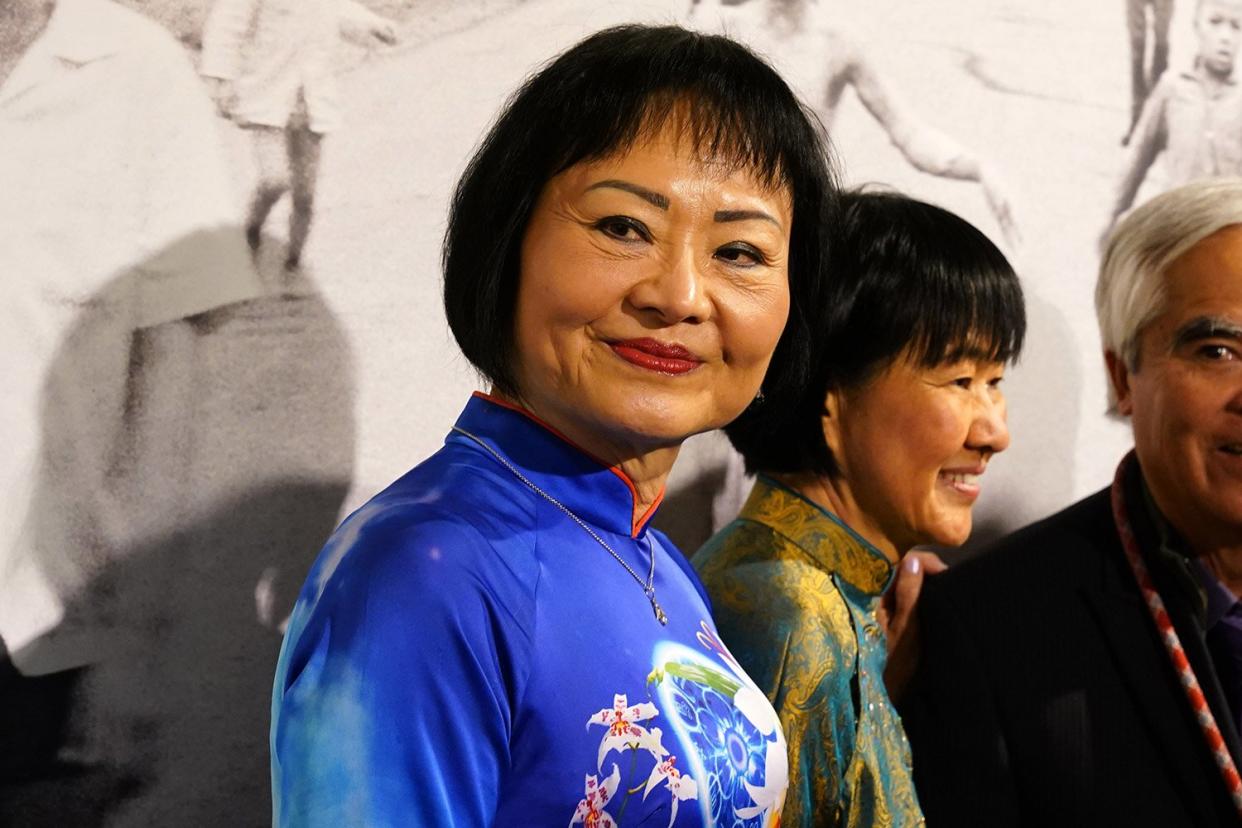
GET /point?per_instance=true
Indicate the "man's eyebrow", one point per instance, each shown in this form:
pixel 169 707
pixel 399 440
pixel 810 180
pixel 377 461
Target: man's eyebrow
pixel 1207 327
pixel 743 215
pixel 650 196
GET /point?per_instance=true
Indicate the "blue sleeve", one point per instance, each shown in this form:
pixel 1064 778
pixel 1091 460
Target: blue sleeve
pixel 395 691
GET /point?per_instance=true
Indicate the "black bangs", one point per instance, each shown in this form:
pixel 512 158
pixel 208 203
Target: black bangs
pixel 604 96
pixel 730 107
pixel 913 280
pixel 966 302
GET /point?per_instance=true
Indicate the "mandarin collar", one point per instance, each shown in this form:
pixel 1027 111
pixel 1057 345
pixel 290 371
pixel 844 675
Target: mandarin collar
pixel 602 495
pixel 825 537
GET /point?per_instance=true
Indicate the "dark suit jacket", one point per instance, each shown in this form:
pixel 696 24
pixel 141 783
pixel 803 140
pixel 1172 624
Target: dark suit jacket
pixel 1044 696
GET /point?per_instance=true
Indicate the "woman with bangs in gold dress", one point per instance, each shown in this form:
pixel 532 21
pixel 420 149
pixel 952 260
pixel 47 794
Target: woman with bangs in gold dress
pixel 880 450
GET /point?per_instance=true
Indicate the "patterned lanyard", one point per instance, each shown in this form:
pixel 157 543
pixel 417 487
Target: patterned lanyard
pixel 1164 625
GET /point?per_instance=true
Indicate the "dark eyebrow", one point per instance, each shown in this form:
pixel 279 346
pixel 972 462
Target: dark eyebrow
pixel 1206 327
pixel 650 196
pixel 743 215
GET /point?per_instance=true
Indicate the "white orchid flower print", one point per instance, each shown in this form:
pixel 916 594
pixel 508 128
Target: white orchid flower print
pixel 590 810
pixel 681 787
pixel 624 732
pixel 622 714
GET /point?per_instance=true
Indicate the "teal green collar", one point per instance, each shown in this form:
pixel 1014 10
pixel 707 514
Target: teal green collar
pixel 832 544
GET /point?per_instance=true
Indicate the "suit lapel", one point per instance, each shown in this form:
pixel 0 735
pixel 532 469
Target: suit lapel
pixel 1201 662
pixel 1152 682
pixel 1181 612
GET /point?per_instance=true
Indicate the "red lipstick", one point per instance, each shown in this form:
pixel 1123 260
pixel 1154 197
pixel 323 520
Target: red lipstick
pixel 662 357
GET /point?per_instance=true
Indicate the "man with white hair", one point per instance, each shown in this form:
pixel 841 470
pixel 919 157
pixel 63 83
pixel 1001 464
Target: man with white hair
pixel 1088 669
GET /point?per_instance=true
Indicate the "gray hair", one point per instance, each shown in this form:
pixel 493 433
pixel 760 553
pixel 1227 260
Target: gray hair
pixel 1130 291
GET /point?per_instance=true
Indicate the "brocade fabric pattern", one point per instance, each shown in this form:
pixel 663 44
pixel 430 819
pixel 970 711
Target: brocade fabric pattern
pixel 795 593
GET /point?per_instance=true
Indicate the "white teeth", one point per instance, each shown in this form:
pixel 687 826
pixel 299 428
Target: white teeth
pixel 968 479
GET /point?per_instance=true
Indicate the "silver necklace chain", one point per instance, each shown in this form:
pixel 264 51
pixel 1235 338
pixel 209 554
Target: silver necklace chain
pixel 648 587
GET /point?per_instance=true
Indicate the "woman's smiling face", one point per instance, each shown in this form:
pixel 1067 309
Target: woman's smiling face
pixel 912 443
pixel 653 290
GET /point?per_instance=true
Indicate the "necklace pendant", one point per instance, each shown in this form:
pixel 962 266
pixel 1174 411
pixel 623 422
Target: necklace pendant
pixel 659 611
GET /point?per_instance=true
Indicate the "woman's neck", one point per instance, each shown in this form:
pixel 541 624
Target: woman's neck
pixel 646 466
pixel 836 497
pixel 649 474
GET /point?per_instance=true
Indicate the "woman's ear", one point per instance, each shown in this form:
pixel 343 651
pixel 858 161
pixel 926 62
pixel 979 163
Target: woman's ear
pixel 830 421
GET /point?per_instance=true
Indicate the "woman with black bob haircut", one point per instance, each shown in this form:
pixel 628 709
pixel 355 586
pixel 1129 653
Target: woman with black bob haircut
pixel 609 93
pixel 880 451
pixel 500 638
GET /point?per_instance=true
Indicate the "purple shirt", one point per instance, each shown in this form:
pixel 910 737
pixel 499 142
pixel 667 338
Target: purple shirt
pixel 1222 623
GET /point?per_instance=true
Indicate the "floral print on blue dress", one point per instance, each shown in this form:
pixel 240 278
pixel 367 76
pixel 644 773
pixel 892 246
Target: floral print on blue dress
pixel 735 749
pixel 590 810
pixel 739 750
pixel 624 734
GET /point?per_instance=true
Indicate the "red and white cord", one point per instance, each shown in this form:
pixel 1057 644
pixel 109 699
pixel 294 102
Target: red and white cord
pixel 1172 644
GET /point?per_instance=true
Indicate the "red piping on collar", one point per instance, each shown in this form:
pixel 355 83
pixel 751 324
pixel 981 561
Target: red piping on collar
pixel 637 525
pixel 647 515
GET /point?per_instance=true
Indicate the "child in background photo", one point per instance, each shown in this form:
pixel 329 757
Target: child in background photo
pixel 272 67
pixel 1192 119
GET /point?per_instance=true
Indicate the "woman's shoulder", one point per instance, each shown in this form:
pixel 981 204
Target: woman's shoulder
pixel 782 616
pixel 756 573
pixel 452 492
pixel 440 534
pixel 759 554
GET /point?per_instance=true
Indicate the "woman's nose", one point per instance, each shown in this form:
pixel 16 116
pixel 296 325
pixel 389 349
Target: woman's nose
pixel 990 430
pixel 676 290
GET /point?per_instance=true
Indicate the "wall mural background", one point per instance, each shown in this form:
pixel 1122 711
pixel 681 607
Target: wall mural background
pixel 204 470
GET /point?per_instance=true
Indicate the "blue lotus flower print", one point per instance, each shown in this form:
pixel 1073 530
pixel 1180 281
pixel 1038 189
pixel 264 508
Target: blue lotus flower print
pixel 734 734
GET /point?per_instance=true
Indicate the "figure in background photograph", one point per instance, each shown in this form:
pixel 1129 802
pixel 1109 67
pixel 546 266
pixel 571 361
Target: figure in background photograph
pixel 1085 669
pixel 1144 18
pixel 500 638
pixel 880 450
pixel 1192 120
pixel 121 260
pixel 823 60
pixel 272 66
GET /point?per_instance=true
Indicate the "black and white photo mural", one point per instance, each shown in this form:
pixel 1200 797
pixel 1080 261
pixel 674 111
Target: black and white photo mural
pixel 220 224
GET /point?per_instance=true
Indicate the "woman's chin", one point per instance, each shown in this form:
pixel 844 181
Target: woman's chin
pixel 655 433
pixel 949 535
pixel 664 423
